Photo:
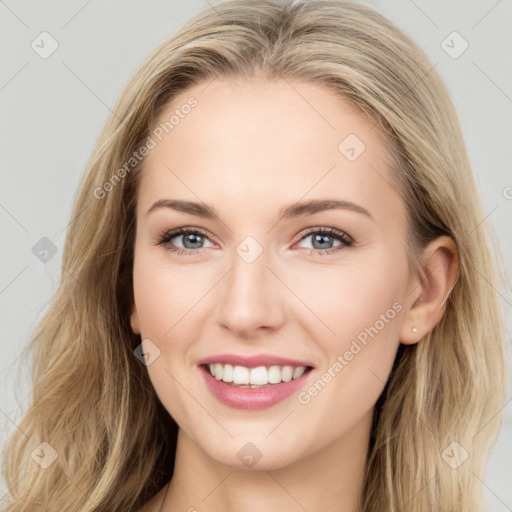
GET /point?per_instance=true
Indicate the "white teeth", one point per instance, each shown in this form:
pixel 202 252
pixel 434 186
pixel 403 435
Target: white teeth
pixel 240 375
pixel 297 372
pixel 259 376
pixel 227 374
pixel 287 373
pixel 274 375
pixel 218 371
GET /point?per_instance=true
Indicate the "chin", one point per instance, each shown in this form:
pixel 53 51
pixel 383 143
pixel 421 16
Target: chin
pixel 254 453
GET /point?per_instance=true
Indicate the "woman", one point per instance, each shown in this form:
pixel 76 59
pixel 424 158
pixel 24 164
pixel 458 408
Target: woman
pixel 277 290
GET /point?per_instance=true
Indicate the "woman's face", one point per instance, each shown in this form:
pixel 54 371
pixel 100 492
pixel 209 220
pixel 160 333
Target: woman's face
pixel 273 274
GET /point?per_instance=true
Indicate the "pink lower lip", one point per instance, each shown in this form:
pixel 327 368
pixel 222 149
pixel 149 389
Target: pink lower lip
pixel 252 398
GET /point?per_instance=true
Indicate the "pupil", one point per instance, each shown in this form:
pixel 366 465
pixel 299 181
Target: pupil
pixel 321 239
pixel 194 238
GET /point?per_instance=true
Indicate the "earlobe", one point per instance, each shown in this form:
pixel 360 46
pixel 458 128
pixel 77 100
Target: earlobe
pixel 430 290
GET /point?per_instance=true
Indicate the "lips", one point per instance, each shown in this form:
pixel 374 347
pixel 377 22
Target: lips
pixel 253 382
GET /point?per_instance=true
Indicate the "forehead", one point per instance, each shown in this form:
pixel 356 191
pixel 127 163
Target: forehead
pixel 246 142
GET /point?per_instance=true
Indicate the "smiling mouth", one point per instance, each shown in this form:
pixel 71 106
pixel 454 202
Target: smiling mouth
pixel 257 377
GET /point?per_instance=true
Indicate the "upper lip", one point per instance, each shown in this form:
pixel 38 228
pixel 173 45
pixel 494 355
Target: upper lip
pixel 253 361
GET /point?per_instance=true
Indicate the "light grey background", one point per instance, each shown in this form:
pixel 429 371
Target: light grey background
pixel 52 111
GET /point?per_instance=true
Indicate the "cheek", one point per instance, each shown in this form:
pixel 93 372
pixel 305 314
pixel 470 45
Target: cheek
pixel 356 365
pixel 361 293
pixel 360 308
pixel 161 301
pixel 163 295
pixel 171 314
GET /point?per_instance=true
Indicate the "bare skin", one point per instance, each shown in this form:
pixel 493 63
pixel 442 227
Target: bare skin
pixel 249 149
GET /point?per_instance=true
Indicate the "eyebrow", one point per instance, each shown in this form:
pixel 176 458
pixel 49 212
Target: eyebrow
pixel 291 211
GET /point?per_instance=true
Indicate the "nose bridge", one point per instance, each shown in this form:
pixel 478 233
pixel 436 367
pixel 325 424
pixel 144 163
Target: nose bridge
pixel 250 298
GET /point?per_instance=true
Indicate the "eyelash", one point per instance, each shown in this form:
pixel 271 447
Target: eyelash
pixel 346 240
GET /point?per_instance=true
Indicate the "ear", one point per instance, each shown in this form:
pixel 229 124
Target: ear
pixel 134 319
pixel 429 290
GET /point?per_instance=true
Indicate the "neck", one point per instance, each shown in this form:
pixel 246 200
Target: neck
pixel 330 479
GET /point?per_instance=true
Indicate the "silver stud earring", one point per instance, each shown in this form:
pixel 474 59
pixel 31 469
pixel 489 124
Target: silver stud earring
pixel 414 329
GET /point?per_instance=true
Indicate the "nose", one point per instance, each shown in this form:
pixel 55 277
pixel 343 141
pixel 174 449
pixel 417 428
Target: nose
pixel 250 299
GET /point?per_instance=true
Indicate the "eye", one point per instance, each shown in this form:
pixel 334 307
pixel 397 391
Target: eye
pixel 191 239
pixel 323 240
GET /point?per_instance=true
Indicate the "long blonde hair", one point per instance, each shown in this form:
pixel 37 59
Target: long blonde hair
pixel 92 399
